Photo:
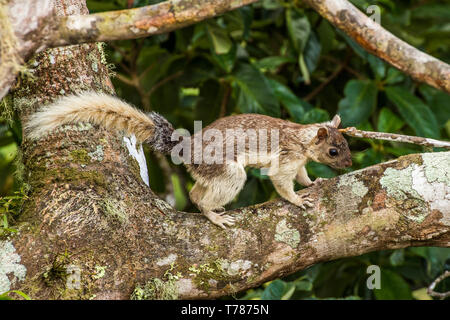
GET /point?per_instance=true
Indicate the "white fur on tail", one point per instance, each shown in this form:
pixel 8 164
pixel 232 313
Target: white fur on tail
pixel 96 108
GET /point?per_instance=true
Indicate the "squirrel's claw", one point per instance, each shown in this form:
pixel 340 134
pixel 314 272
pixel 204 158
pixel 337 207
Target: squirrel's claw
pixel 304 201
pixel 319 180
pixel 222 220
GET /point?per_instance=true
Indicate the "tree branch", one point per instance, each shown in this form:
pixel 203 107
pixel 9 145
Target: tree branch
pixel 427 142
pixel 392 205
pixel 438 280
pixel 377 40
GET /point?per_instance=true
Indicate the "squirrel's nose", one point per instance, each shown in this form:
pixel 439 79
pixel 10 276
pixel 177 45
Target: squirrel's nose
pixel 348 162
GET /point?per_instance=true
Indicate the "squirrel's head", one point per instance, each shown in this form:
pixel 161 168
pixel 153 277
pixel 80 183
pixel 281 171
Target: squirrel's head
pixel 330 147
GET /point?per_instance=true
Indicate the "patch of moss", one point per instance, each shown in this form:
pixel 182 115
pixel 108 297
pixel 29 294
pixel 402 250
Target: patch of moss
pixel 114 210
pixel 57 273
pixel 42 176
pixel 80 156
pixel 155 289
pixel 212 270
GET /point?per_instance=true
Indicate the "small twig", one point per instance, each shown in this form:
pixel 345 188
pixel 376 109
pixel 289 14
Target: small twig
pixel 353 132
pixel 433 293
pixel 335 73
pixel 226 96
pixel 164 81
pixel 125 80
pixel 346 67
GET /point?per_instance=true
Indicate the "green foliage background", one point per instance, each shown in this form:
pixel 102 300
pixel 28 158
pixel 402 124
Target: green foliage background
pixel 282 59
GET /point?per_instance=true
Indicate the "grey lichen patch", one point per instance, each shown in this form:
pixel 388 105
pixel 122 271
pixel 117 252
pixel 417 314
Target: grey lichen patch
pixel 284 233
pixel 437 167
pixel 10 267
pixel 357 187
pixel 94 66
pixel 98 154
pixel 398 183
pixel 432 181
pixel 171 258
pixel 421 187
pixel 238 267
pixel 349 198
pixel 156 289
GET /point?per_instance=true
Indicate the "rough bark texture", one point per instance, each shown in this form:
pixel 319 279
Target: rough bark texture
pixel 89 211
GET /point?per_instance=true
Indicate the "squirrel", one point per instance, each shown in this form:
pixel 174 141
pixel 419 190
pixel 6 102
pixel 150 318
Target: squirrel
pixel 217 183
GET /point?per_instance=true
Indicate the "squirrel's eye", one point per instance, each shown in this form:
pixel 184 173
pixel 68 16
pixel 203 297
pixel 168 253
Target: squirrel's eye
pixel 333 152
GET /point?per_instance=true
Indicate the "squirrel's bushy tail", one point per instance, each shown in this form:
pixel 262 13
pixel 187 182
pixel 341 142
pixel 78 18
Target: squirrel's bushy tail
pixel 107 111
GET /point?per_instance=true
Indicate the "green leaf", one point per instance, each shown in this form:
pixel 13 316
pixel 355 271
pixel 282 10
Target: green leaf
pixel 315 115
pixel 226 61
pixel 312 52
pixel 389 122
pixel 327 36
pixel 211 93
pixel 397 258
pixel 255 94
pixel 394 76
pixel 298 28
pixel 303 68
pixel 320 170
pixel 368 157
pixel 294 105
pixel 435 258
pixel 218 36
pixel 439 103
pixel 271 4
pixel 355 46
pixel 247 18
pixel 416 113
pixel 378 66
pixel 359 102
pixel 303 285
pixel 278 290
pixel 6 295
pixel 272 63
pixel 432 11
pixel 421 294
pixel 393 287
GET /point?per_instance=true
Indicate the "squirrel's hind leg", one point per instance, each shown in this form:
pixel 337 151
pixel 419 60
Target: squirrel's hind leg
pixel 214 193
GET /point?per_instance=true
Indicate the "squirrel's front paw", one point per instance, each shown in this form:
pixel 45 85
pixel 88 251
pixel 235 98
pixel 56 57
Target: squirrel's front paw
pixel 303 201
pixel 220 219
pixel 318 180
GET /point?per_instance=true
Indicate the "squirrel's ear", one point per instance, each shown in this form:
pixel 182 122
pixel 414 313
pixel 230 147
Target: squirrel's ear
pixel 336 121
pixel 322 134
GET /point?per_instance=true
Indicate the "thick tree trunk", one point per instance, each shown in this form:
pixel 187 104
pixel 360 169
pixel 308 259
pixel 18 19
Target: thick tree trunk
pixel 92 228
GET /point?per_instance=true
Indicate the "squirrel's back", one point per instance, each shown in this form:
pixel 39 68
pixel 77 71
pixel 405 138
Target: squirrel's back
pixel 107 111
